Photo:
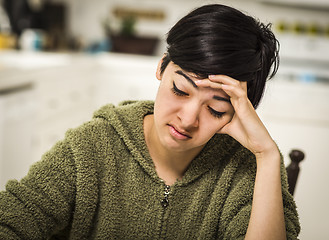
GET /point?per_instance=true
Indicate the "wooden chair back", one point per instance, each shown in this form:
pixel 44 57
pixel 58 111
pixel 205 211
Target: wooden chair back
pixel 296 156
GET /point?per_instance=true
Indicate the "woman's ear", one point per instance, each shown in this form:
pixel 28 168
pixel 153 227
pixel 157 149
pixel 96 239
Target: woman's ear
pixel 158 72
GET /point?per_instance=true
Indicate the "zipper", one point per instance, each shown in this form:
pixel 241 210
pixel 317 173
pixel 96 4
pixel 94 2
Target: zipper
pixel 165 200
pixel 164 203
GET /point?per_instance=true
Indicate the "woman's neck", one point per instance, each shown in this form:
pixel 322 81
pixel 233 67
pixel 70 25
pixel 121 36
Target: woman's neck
pixel 169 165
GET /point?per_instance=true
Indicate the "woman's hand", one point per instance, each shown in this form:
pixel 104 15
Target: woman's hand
pixel 267 215
pixel 246 127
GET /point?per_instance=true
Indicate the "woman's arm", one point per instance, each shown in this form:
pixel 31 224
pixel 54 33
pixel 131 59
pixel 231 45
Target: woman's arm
pixel 42 202
pixel 267 215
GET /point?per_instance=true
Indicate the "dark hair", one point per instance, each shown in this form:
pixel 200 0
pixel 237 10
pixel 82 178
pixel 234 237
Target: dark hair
pixel 217 39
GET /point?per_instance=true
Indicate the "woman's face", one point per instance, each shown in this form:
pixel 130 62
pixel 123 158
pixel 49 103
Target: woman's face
pixel 187 116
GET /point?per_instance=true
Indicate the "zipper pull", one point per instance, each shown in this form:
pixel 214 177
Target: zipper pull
pixel 165 200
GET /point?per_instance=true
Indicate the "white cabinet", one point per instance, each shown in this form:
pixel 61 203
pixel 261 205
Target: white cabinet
pixel 62 97
pixel 126 77
pixel 68 95
pixel 65 95
pixel 65 99
pixel 17 125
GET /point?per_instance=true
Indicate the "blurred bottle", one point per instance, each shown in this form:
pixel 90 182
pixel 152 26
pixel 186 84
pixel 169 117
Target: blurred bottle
pixel 299 28
pixel 282 27
pixel 32 40
pixel 315 29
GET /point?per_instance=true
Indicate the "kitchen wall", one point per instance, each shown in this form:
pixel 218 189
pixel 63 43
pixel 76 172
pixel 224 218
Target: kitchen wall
pixel 85 16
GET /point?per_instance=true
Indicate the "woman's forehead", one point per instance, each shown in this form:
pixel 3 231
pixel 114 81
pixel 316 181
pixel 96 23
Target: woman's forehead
pixel 189 74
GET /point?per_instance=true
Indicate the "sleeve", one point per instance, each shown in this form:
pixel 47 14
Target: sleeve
pixel 237 209
pixel 42 202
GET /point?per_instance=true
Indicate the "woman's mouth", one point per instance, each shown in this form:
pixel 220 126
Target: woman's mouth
pixel 178 134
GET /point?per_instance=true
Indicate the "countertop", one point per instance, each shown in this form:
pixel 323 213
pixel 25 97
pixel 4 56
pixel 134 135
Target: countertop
pixel 18 68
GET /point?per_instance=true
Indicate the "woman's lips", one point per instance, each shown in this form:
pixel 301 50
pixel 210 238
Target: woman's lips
pixel 178 134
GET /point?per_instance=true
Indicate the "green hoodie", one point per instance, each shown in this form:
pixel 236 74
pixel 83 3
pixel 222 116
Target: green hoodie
pixel 100 183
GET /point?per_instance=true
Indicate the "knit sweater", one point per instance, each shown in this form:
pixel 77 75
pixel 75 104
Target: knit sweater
pixel 99 182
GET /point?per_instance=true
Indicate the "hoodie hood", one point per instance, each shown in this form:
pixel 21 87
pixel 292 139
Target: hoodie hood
pixel 127 120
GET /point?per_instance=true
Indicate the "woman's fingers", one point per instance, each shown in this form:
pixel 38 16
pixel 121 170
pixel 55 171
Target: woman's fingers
pixel 214 81
pixel 231 86
pixel 209 84
pixel 225 80
pixel 235 89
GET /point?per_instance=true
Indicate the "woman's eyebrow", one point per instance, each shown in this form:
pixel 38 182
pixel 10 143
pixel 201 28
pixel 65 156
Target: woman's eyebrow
pixel 222 99
pixel 180 72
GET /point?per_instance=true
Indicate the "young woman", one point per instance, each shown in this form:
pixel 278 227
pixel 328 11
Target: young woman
pixel 195 164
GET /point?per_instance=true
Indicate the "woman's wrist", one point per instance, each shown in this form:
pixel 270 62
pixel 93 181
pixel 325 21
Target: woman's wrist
pixel 270 155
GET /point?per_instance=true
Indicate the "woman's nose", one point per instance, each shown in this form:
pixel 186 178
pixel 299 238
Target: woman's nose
pixel 189 115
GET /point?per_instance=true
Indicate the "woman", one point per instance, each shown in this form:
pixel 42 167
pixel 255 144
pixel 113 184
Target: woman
pixel 196 164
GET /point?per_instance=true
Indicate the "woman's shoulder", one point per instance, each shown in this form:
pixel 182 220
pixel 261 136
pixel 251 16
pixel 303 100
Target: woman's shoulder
pixel 108 111
pixel 111 120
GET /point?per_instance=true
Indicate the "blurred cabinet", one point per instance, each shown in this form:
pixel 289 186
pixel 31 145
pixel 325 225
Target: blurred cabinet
pixel 65 98
pixel 34 118
pixel 66 92
pixel 126 77
pixel 17 126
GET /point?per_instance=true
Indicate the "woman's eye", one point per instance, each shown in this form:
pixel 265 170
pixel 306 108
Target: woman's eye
pixel 178 92
pixel 215 113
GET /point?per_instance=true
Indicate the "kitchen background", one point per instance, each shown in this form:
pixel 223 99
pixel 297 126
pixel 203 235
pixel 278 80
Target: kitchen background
pixel 62 59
